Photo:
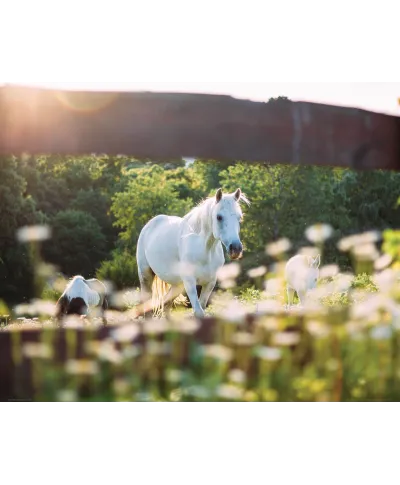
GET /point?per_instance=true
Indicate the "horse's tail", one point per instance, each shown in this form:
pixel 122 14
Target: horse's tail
pixel 160 290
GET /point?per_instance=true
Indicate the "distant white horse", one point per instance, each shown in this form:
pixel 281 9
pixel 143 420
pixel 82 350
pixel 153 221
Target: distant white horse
pixel 175 253
pixel 80 295
pixel 302 275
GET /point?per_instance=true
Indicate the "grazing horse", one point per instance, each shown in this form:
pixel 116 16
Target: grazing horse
pixel 302 275
pixel 176 254
pixel 80 295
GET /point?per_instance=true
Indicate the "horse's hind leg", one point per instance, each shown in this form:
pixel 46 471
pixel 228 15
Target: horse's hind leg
pixel 146 278
pixel 302 297
pixel 290 297
pixel 146 274
pixel 169 298
pixel 104 307
pixel 61 309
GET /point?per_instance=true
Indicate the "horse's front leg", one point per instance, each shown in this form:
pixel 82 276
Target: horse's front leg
pixel 191 291
pixel 206 293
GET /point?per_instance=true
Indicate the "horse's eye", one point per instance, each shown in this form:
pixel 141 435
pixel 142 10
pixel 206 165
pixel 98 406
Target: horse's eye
pixel 219 218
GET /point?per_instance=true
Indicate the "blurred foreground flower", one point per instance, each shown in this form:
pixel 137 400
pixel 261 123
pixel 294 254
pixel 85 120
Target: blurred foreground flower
pixel 184 325
pixel 131 352
pixel 257 272
pixel 198 392
pixel 174 376
pixel 383 262
pixel 269 307
pixel 237 376
pixel 228 272
pixel 274 286
pixel 319 233
pixel 36 307
pixel 126 333
pixel 368 308
pixel 286 339
pixel 234 312
pixel 158 349
pixel 329 271
pixel 269 353
pixel 365 252
pixel 278 248
pixel 229 392
pixel 318 329
pixel 82 367
pixel 386 280
pixel 349 242
pixel 67 395
pixel 74 322
pixel 107 352
pixel 155 327
pixel 343 282
pixel 243 339
pixel 218 352
pixel 33 233
pixel 381 332
pixel 37 351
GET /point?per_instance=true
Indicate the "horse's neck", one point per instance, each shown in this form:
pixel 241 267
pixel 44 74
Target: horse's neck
pixel 201 224
pixel 211 242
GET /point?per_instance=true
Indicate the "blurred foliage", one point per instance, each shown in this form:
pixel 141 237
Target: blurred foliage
pixel 121 270
pixel 324 353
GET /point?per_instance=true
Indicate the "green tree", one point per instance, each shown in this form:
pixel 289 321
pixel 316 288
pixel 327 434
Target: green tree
pixel 149 193
pixel 16 210
pixel 369 200
pixel 121 269
pixel 78 245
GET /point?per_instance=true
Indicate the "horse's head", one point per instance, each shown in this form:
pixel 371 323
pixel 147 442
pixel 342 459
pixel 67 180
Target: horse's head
pixel 226 219
pixel 313 274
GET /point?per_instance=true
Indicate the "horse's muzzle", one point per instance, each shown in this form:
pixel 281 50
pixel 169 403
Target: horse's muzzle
pixel 235 251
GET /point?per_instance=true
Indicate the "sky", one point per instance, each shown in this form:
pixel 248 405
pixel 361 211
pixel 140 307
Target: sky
pixel 252 50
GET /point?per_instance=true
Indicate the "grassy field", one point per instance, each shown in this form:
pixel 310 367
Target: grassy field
pixel 341 346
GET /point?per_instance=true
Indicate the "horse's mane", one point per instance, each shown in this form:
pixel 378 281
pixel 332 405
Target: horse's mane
pixel 199 218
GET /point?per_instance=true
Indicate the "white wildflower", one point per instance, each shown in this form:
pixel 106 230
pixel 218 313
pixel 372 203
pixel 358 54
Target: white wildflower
pixel 277 248
pixel 33 233
pixel 319 233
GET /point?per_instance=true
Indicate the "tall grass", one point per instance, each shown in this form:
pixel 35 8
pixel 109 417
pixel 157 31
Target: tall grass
pixel 341 346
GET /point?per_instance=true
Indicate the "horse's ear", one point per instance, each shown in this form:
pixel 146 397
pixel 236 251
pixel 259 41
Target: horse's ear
pixel 219 195
pixel 238 194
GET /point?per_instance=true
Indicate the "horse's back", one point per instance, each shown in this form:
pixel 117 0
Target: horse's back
pixel 158 247
pixel 296 272
pixel 164 227
pixel 97 285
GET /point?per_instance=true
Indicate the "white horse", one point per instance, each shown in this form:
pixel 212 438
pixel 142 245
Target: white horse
pixel 80 295
pixel 302 273
pixel 175 253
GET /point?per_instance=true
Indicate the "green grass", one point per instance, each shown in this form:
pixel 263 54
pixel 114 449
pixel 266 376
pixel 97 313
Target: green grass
pixel 343 345
pixel 323 358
